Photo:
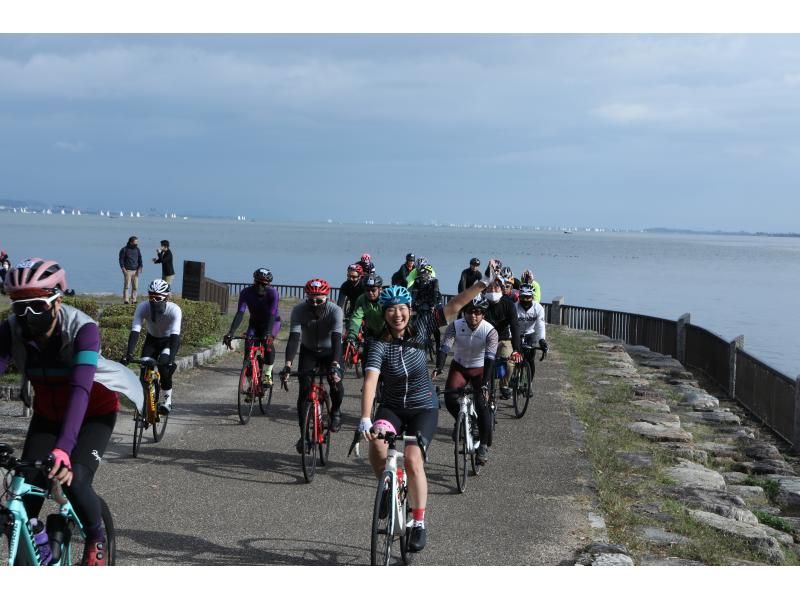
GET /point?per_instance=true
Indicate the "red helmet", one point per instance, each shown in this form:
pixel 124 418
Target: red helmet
pixel 35 277
pixel 356 268
pixel 366 258
pixel 317 286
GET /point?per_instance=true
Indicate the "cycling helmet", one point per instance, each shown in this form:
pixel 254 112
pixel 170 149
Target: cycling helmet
pixel 526 290
pixel 479 302
pixel 421 261
pixel 506 272
pixel 410 257
pixel 366 258
pixel 262 275
pixel 317 286
pixel 35 277
pixel 394 295
pixel 355 268
pixel 426 272
pixel 159 287
pixel 527 276
pixel 474 262
pixel 373 280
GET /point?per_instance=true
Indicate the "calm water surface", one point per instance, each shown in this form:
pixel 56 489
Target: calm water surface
pixel 730 285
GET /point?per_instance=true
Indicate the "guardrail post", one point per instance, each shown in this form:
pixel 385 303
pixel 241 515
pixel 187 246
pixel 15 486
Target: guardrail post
pixel 796 435
pixel 680 350
pixel 555 311
pixel 736 344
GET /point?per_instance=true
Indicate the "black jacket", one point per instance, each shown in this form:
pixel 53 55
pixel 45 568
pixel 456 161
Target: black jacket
pixel 399 277
pixel 426 295
pixel 130 258
pixel 468 278
pixel 165 259
pixel 503 316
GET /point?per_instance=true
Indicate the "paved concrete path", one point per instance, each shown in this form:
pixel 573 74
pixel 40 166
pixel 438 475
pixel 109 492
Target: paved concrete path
pixel 215 492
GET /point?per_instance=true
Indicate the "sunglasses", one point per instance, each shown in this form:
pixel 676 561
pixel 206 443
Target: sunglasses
pixel 354 277
pixel 316 300
pixel 34 306
pixel 474 312
pixel 157 298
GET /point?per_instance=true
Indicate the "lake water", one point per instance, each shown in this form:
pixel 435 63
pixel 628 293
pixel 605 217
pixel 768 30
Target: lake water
pixel 730 284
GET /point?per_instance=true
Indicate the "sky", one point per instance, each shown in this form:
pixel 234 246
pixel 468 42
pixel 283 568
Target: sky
pixel 606 130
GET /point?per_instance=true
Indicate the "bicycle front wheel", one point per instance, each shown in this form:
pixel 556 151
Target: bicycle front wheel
pixel 325 445
pixel 460 453
pixel 245 394
pixel 138 430
pixel 382 527
pixel 308 457
pixel 159 420
pixel 266 400
pixel 522 388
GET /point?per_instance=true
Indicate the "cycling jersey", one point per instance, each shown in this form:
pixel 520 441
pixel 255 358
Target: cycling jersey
pixel 470 347
pixel 166 324
pixel 531 322
pixel 369 312
pixel 426 295
pixel 350 291
pixel 503 316
pixel 263 309
pixel 412 277
pixel 403 364
pixel 317 327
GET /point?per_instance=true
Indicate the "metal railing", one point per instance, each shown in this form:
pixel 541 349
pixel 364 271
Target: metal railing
pixel 768 394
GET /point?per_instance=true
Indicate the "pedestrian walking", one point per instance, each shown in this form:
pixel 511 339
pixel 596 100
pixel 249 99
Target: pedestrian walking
pixel 164 257
pixel 130 262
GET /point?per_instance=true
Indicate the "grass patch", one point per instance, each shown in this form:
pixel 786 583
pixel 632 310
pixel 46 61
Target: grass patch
pixel 771 487
pixel 774 521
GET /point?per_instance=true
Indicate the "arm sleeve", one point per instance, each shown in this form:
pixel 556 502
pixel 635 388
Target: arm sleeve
pixel 294 322
pixel 292 345
pixel 133 338
pixel 355 319
pixel 139 316
pixel 86 351
pixel 5 346
pixel 174 344
pixel 242 303
pixel 273 310
pixel 492 340
pixel 342 295
pixel 540 328
pixel 513 323
pixel 237 320
pixel 336 345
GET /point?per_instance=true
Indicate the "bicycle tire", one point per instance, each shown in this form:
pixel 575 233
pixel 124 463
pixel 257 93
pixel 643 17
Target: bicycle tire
pixel 265 401
pixel 380 551
pixel 405 534
pixel 460 453
pixel 111 534
pixel 308 459
pixel 522 388
pixel 160 423
pixel 325 447
pixel 138 431
pixel 245 407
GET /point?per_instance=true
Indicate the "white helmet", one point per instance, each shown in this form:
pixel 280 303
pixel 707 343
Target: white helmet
pixel 159 287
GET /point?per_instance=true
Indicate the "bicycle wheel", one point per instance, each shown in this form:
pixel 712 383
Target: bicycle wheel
pixel 521 388
pixel 309 458
pixel 245 396
pixel 325 447
pixel 460 453
pixel 382 529
pixel 74 539
pixel 138 430
pixel 160 421
pixel 265 401
pixel 405 533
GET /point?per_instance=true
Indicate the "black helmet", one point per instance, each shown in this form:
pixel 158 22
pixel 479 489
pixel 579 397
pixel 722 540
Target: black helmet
pixel 478 303
pixel 474 262
pixel 262 275
pixel 373 281
pixel 410 257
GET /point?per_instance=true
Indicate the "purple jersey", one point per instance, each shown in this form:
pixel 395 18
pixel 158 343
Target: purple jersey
pixel 263 309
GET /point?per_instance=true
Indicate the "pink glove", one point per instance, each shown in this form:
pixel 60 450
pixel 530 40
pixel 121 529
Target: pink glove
pixel 61 459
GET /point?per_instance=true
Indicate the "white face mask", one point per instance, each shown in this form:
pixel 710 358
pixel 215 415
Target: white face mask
pixel 493 297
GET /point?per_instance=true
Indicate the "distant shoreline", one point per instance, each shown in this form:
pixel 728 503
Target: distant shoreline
pixel 740 233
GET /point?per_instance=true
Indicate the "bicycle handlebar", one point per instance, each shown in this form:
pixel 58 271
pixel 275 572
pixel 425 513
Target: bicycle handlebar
pixel 147 362
pixel 533 349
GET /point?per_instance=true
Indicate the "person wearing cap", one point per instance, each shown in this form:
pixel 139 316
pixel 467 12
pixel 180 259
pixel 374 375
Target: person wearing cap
pixel 469 275
pixel 400 278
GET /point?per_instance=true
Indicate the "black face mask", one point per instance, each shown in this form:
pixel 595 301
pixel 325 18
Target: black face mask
pixel 36 325
pixel 261 289
pixel 525 304
pixel 157 308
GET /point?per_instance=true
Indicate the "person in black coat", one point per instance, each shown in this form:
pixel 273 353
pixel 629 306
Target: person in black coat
pixel 164 257
pixel 469 275
pixel 130 262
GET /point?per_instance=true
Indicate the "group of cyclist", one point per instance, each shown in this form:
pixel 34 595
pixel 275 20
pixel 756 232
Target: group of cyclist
pixel 57 348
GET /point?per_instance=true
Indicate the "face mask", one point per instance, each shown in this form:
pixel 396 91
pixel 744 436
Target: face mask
pixel 494 297
pixel 157 308
pixel 36 325
pixel 525 304
pixel 261 289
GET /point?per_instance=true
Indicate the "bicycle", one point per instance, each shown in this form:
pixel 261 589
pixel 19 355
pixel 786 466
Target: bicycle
pixel 465 442
pixel 500 365
pixel 316 426
pixel 391 501
pixel 522 379
pixel 151 382
pixel 62 527
pixel 251 384
pixel 353 354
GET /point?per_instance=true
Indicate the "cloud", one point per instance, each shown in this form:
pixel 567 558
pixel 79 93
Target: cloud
pixel 73 147
pixel 626 113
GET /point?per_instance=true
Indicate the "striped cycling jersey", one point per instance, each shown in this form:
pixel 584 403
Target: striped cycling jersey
pixel 470 347
pixel 403 365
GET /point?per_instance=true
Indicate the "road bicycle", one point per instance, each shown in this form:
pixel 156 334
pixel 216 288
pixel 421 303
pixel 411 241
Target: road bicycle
pixel 149 417
pixel 316 422
pixel 354 353
pixel 522 379
pixel 64 527
pixel 391 514
pixel 251 382
pixel 466 441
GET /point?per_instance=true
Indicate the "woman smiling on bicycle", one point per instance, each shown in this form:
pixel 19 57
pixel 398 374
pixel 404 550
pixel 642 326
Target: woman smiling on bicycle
pixel 57 348
pixel 408 401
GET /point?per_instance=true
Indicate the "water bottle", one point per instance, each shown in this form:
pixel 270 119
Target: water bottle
pixel 57 531
pixel 41 540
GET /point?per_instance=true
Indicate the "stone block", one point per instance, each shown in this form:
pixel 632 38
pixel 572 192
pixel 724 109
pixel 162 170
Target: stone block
pixel 660 432
pixel 691 475
pixel 754 535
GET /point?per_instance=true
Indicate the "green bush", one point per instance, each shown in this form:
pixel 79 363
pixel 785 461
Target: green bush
pixel 114 342
pixel 116 322
pixel 119 309
pixel 200 320
pixel 87 305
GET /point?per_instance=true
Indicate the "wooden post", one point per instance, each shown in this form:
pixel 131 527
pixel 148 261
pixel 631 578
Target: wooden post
pixel 680 350
pixel 736 344
pixel 555 311
pixel 193 275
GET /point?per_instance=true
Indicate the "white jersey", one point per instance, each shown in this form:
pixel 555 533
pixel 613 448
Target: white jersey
pixel 470 347
pixel 531 322
pixel 168 323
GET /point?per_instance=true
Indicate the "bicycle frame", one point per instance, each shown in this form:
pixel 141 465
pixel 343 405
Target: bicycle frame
pixel 467 407
pixel 149 376
pixel 317 394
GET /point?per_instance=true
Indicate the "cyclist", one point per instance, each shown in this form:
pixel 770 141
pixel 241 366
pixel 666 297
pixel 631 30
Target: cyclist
pixel 408 402
pixel 527 278
pixel 367 266
pixel 510 292
pixel 262 301
pixel 57 348
pixel 5 265
pixel 400 277
pixel 508 276
pixel 351 289
pixel 316 328
pixel 162 318
pixel 426 295
pixel 421 263
pixel 368 312
pixel 531 318
pixel 502 314
pixel 474 344
pixel 469 275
